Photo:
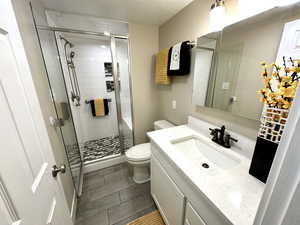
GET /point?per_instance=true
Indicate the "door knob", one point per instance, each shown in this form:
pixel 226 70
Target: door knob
pixel 56 170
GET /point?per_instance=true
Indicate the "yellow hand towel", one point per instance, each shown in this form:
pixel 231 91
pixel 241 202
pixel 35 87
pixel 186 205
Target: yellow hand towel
pixel 99 107
pixel 161 76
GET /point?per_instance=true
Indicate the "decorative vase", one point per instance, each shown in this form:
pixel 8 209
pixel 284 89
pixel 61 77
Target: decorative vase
pixel 273 121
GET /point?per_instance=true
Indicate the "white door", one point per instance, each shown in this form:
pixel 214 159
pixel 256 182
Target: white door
pixel 29 195
pixel 202 66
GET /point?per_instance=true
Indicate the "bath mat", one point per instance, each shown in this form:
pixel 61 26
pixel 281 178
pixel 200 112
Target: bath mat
pixel 152 218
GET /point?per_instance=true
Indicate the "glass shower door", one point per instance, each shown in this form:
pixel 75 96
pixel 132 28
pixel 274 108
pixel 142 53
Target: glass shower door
pixel 82 69
pixel 61 103
pixel 124 91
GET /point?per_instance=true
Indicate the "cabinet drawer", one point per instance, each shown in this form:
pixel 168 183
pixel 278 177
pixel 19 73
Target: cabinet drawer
pixel 166 194
pixel 192 217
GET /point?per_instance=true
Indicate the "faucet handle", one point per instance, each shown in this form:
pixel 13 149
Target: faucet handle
pixel 214 134
pixel 233 139
pixel 228 139
pixel 212 131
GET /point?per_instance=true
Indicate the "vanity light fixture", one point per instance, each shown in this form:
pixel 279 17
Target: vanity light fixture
pixel 217 15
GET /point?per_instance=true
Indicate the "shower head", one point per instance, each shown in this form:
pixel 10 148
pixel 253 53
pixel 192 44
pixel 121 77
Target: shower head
pixel 67 42
pixel 72 54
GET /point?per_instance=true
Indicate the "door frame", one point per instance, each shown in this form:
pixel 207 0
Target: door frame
pixel 280 201
pixel 283 182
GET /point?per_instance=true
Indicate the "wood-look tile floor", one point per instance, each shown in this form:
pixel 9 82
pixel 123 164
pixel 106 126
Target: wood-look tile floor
pixel 110 197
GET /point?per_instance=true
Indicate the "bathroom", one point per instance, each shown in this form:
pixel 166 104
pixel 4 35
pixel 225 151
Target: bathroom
pixel 149 112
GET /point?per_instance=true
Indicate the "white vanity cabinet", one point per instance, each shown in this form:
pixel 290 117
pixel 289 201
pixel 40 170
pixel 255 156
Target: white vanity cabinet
pixel 169 199
pixel 177 199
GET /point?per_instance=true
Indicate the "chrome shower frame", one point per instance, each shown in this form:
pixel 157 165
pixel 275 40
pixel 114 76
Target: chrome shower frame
pixel 113 38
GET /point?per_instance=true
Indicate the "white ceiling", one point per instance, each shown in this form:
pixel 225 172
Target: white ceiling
pixel 139 11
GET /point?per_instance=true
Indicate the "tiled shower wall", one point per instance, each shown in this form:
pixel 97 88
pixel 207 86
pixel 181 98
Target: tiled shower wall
pixel 90 56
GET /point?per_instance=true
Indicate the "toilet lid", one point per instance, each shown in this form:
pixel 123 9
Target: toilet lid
pixel 139 152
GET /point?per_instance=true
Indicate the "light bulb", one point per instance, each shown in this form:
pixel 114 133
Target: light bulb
pixel 217 18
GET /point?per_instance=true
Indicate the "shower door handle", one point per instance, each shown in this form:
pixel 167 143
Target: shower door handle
pixel 118 77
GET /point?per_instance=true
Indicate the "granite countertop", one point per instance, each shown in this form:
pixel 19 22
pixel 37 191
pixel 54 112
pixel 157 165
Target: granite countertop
pixel 234 192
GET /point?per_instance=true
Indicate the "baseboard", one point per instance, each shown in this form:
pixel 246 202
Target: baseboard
pixel 103 163
pixel 74 207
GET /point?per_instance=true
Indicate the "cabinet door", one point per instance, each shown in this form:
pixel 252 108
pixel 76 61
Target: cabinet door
pixel 166 194
pixel 192 217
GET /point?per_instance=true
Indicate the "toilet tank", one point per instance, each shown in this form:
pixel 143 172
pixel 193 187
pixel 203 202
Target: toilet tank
pixel 162 124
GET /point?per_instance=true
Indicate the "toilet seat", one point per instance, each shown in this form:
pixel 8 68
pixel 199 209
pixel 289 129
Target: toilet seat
pixel 138 153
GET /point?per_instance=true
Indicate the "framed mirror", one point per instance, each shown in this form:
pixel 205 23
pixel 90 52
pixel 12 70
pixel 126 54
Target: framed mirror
pixel 226 65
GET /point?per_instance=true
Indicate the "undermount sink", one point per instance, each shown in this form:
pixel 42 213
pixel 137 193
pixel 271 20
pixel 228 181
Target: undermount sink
pixel 204 154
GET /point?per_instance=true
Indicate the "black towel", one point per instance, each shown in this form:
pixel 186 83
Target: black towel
pixel 106 108
pixel 184 57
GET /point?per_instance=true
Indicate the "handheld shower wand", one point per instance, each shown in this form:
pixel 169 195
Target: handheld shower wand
pixel 75 92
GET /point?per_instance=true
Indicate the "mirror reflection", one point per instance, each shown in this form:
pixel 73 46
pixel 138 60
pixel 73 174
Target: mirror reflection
pixel 227 64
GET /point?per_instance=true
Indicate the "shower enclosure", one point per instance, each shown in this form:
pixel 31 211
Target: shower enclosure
pixel 84 68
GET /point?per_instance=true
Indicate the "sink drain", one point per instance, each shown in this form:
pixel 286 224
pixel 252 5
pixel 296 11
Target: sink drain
pixel 205 165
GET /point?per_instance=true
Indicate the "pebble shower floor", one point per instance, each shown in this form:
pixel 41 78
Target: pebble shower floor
pixel 96 149
pixel 99 148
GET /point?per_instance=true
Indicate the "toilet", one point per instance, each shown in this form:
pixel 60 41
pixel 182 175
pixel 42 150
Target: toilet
pixel 139 156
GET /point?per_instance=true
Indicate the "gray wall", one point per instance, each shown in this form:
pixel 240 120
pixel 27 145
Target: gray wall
pixel 143 47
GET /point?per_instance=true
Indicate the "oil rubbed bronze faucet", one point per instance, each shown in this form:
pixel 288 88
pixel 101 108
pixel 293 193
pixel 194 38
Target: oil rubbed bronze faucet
pixel 221 137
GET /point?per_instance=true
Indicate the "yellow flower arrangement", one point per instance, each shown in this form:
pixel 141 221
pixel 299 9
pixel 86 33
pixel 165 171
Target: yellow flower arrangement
pixel 287 84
